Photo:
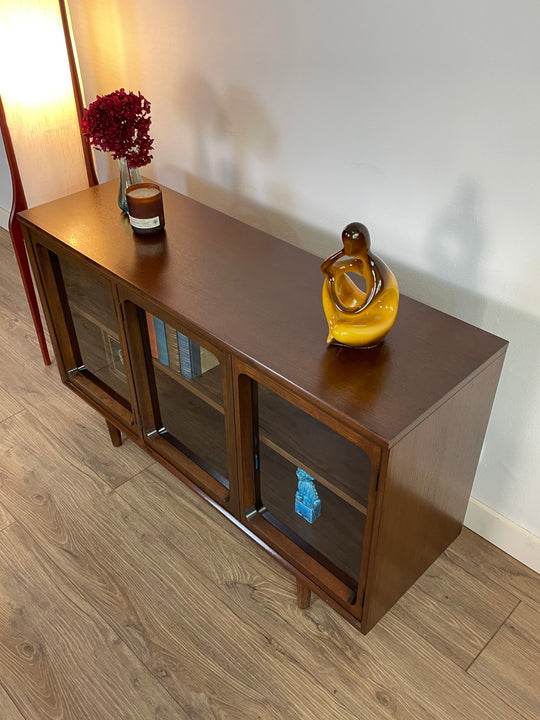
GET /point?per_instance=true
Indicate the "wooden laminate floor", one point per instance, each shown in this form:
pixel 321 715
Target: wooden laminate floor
pixel 123 596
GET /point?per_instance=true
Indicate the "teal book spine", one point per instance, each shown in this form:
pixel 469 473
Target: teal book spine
pixel 161 340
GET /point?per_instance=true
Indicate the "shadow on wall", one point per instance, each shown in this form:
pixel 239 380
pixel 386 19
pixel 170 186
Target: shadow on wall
pixel 456 240
pixel 453 248
pixel 205 116
pixel 228 133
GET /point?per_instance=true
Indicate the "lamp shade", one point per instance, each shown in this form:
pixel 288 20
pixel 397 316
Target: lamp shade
pixel 37 94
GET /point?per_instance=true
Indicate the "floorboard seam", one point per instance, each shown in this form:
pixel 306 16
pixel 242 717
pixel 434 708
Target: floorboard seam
pixel 503 583
pixel 493 689
pixel 12 415
pixel 133 477
pixel 492 636
pixel 12 700
pixel 452 556
pixel 10 524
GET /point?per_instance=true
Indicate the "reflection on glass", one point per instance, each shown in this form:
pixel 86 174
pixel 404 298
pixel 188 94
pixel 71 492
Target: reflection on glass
pixel 96 327
pixel 188 383
pixel 313 484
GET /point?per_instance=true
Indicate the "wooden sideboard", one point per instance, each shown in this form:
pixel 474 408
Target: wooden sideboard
pixel 206 346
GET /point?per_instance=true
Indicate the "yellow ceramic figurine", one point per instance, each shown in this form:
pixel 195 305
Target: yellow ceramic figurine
pixel 358 318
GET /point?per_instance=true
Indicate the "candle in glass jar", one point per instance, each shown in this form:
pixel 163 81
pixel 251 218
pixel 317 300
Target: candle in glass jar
pixel 145 208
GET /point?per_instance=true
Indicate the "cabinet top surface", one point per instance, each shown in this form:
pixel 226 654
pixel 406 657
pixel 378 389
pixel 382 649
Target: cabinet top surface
pixel 261 298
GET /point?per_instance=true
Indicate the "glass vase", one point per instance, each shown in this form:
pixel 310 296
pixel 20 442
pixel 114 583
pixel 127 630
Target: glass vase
pixel 128 176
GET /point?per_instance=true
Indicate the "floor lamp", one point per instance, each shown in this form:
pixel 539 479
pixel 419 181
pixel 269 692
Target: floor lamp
pixel 40 108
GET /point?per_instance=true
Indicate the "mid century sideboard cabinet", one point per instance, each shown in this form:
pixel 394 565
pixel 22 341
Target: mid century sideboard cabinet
pixel 206 346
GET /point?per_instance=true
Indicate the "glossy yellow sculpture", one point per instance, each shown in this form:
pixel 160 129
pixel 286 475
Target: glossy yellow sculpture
pixel 358 318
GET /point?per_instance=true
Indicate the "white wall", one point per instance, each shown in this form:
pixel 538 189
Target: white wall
pixel 420 119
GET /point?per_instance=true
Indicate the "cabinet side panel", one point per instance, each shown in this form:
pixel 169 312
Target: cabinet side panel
pixel 425 492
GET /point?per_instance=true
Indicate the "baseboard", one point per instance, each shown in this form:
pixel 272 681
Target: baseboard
pixel 4 218
pixel 506 535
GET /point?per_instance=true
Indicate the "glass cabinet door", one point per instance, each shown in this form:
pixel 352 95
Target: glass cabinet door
pixel 96 328
pixel 311 485
pixel 184 413
pixel 87 332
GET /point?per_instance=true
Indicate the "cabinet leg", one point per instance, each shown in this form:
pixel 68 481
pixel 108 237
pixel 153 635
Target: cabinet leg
pixel 115 434
pixel 303 595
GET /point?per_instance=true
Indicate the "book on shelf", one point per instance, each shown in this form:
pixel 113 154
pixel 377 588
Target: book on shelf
pixel 194 359
pixel 161 340
pixel 173 350
pixel 178 351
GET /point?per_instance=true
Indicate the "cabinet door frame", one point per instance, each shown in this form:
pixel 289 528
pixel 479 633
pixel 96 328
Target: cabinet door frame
pixel 302 562
pixel 134 305
pixel 44 254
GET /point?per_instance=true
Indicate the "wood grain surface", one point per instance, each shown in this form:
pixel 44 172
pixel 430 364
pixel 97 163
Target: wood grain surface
pixel 6 519
pixel 453 611
pixel 8 405
pixel 369 667
pixel 143 603
pixel 59 659
pixel 483 560
pixel 273 292
pixel 161 604
pixel 8 710
pixel 510 663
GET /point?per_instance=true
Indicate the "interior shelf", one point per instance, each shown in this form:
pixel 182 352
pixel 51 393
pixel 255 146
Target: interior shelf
pixel 335 539
pixel 332 460
pixel 192 424
pixel 207 386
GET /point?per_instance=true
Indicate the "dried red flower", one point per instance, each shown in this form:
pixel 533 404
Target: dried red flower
pixel 119 123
